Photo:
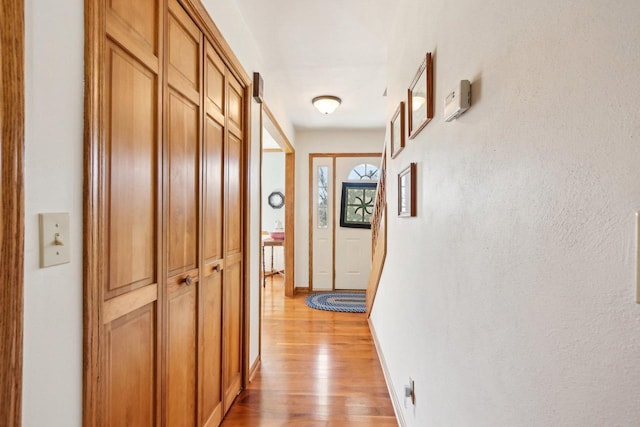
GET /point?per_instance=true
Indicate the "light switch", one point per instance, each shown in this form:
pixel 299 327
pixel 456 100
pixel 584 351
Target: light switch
pixel 54 239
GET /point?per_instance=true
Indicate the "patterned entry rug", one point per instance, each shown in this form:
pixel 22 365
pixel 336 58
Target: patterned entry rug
pixel 349 302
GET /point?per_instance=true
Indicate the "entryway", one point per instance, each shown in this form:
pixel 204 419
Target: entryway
pixel 342 189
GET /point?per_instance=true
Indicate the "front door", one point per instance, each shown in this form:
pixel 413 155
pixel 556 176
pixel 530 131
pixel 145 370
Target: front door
pixel 353 245
pixel 340 257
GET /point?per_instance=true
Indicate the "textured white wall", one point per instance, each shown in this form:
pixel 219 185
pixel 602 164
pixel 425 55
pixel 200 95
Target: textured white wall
pixel 52 384
pixel 322 141
pixel 510 298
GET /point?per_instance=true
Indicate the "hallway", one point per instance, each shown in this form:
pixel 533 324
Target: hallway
pixel 318 369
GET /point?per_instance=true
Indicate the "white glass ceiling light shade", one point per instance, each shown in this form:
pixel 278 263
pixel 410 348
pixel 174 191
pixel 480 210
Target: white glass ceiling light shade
pixel 326 104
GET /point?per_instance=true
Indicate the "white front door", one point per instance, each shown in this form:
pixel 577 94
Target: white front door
pixel 341 257
pixel 353 245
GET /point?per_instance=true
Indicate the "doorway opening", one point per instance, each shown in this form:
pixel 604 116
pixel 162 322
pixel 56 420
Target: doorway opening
pixel 277 192
pixel 342 193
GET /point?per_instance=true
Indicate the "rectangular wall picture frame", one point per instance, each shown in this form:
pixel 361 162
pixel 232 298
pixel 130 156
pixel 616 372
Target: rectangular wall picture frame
pixel 397 131
pixel 420 108
pixel 407 191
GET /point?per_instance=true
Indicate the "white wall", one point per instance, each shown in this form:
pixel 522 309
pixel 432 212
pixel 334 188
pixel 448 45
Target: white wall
pixel 322 141
pixel 52 389
pixel 52 384
pixel 272 180
pixel 510 298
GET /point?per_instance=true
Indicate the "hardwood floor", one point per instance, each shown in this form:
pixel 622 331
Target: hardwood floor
pixel 318 369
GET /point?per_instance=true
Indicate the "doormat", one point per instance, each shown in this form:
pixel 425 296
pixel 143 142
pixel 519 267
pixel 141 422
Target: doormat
pixel 348 302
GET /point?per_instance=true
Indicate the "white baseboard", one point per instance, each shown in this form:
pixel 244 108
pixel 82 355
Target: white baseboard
pixel 395 402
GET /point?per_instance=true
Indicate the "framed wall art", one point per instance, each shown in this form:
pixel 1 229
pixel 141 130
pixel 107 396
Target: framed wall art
pixel 420 98
pixel 407 191
pixel 397 131
pixel 276 200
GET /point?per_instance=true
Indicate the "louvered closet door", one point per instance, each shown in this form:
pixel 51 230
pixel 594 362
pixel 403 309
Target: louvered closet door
pixel 182 192
pixel 233 248
pixel 212 231
pixel 130 203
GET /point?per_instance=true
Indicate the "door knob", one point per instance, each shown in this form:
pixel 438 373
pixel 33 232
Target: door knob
pixel 216 268
pixel 187 280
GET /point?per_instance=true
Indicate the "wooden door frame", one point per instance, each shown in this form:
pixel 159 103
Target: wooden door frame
pixel 12 112
pixel 333 156
pixel 289 226
pixel 289 206
pixel 93 272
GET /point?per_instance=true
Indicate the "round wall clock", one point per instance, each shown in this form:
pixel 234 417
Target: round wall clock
pixel 276 200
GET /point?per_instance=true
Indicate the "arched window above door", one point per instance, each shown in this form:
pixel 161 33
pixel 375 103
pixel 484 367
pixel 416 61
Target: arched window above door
pixel 364 172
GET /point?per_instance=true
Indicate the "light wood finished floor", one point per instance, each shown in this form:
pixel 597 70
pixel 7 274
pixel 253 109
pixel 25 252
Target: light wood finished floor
pixel 318 369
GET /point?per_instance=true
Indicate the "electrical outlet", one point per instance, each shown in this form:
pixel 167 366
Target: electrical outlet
pixel 409 392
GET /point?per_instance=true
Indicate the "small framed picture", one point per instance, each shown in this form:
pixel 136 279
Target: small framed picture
pixel 407 191
pixel 397 131
pixel 420 98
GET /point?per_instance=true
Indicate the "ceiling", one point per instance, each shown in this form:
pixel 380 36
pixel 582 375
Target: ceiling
pixel 328 47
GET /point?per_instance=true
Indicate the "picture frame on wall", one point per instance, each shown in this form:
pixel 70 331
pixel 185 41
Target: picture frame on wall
pixel 397 131
pixel 407 191
pixel 420 98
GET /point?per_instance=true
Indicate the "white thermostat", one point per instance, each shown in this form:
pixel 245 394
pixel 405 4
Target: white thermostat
pixel 458 101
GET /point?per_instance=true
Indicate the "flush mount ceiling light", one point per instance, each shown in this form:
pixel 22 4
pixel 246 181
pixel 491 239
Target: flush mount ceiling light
pixel 326 104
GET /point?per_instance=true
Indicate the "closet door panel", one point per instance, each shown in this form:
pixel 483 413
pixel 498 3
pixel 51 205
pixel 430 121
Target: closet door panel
pixel 184 54
pixel 215 81
pixel 213 195
pixel 181 379
pixel 233 275
pixel 232 330
pixel 235 107
pixel 212 410
pixel 183 140
pixel 139 20
pixel 132 151
pixel 233 223
pixel 212 233
pixel 183 154
pixel 129 206
pixel 131 367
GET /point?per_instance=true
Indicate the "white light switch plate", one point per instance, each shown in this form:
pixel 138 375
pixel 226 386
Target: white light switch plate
pixel 54 239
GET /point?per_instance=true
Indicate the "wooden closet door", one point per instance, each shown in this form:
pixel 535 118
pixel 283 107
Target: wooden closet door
pixel 130 206
pixel 232 309
pixel 182 192
pixel 213 215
